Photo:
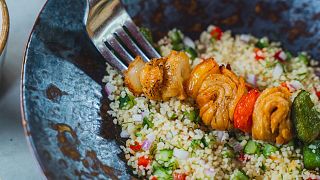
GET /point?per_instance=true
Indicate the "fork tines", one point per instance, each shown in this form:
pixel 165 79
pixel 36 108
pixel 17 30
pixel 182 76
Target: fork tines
pixel 115 35
pixel 127 42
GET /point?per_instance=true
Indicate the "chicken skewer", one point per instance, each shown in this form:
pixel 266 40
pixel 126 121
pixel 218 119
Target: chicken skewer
pixel 216 90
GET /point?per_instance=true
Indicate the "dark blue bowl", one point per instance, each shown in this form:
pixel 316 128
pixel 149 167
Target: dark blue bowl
pixel 63 104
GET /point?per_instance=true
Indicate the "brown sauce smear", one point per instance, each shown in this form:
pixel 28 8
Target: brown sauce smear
pixel 69 147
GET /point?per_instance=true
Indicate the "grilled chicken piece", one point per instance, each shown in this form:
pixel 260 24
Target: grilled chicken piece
pixel 213 101
pixel 217 90
pixel 132 76
pixel 271 116
pixel 177 71
pixel 198 74
pixel 151 78
pixel 239 89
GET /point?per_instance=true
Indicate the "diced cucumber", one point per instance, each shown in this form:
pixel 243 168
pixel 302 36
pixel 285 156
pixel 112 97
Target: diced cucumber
pixel 193 53
pixel 268 149
pixel 195 143
pixel 251 147
pixel 228 153
pixel 204 141
pixel 173 165
pixel 138 134
pixel 164 155
pixel 289 55
pixel 147 122
pixel 262 43
pixel 239 175
pixel 192 115
pixel 127 102
pixel 177 46
pixel 162 173
pixel 304 58
pixel 175 36
pixel 173 116
pixel 311 155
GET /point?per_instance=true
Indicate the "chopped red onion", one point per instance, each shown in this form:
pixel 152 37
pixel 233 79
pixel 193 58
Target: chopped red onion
pixel 237 147
pixel 137 117
pixel 222 136
pixel 295 85
pixel 145 114
pixel 124 134
pixel 146 145
pixel 252 79
pixel 245 37
pixel 109 88
pixel 151 137
pixel 210 172
pixel 169 136
pixel 180 154
pixel 277 71
pixel 188 42
pixel 281 56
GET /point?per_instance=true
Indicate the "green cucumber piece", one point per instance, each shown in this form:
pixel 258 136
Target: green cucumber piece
pixel 164 155
pixel 193 53
pixel 239 175
pixel 311 155
pixel 262 43
pixel 162 173
pixel 306 119
pixel 251 147
pixel 147 122
pixel 268 149
pixel 175 36
pixel 127 102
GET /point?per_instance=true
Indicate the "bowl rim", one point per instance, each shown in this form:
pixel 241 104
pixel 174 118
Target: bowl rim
pixel 31 146
pixel 5 25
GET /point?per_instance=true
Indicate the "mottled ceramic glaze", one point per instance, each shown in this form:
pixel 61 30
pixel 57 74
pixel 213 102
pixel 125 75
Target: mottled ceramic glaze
pixel 64 106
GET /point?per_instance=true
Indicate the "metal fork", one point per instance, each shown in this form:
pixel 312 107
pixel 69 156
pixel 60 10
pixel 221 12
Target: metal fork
pixel 115 35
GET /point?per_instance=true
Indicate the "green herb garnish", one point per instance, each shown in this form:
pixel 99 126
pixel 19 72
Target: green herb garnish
pixel 127 102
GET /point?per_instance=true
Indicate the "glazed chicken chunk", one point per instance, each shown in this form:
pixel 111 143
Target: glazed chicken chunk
pixel 271 116
pixel 217 90
pixel 132 76
pixel 159 79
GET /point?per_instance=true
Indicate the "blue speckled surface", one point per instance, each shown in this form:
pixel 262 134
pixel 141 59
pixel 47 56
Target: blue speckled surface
pixel 58 92
pixel 64 108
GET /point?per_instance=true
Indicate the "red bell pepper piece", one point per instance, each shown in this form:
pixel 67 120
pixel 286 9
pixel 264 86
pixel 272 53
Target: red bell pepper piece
pixel 216 33
pixel 179 176
pixel 280 56
pixel 244 109
pixel 258 54
pixel 284 84
pixel 136 146
pixel 154 178
pixel 143 161
pixel 318 94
